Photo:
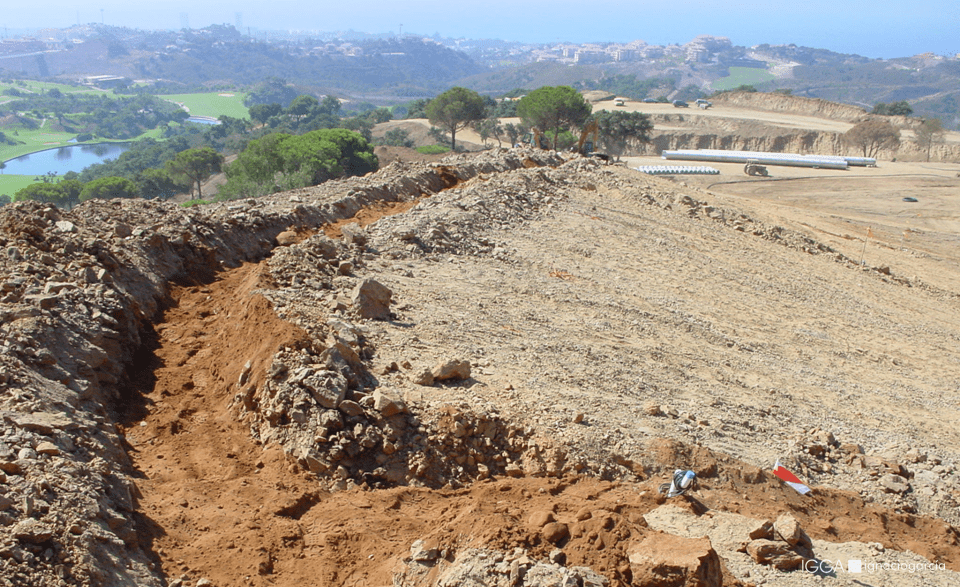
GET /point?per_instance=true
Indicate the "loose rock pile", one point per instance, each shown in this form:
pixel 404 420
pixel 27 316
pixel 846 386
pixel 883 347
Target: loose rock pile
pixel 318 407
pixel 491 568
pixel 77 290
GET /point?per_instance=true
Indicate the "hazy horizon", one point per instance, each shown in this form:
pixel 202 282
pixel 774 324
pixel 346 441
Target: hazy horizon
pixel 884 29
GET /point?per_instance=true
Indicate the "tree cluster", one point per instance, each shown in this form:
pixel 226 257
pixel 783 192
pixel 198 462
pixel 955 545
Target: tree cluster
pixel 144 164
pixel 304 113
pixel 872 136
pixel 280 161
pixel 619 129
pixel 930 133
pixel 554 110
pixel 901 108
pixel 396 137
pixel 193 166
pixel 111 118
pixel 454 110
pixel 188 167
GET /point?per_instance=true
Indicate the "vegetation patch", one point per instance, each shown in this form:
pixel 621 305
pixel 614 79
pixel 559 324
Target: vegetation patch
pixel 11 87
pixel 212 104
pixel 433 150
pixel 11 184
pixel 741 76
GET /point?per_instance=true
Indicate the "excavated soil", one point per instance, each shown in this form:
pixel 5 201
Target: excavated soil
pixel 214 504
pixel 367 216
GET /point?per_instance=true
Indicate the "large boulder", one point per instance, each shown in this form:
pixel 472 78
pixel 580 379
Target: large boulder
pixel 665 560
pixel 371 299
pixel 455 369
pixel 775 553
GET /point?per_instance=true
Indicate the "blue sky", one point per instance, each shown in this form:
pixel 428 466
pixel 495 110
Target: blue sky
pixel 877 28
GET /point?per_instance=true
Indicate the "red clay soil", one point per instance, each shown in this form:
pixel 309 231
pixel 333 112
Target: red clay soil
pixel 215 504
pixel 825 514
pixel 368 215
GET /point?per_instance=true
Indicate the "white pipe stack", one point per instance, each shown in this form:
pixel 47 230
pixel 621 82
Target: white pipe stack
pixel 861 161
pixel 677 170
pixel 786 159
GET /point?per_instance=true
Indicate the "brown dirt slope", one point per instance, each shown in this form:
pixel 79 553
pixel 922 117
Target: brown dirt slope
pixel 792 105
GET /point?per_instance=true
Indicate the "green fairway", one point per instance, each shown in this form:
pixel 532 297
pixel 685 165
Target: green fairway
pixel 212 104
pixel 742 76
pixel 37 140
pixel 36 87
pixel 33 140
pixel 10 184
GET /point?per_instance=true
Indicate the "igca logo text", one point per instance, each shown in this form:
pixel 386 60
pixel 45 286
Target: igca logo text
pixel 828 567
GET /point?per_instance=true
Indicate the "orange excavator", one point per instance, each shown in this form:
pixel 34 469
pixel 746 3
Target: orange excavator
pixel 587 143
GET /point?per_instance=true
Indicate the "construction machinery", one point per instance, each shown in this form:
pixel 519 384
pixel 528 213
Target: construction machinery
pixel 754 168
pixel 588 141
pixel 535 139
pixel 586 144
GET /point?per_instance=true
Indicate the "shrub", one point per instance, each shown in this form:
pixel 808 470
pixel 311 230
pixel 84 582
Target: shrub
pixel 433 150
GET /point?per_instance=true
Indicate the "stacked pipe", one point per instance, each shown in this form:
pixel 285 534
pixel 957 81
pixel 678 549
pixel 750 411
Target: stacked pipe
pixel 786 159
pixel 677 170
pixel 861 161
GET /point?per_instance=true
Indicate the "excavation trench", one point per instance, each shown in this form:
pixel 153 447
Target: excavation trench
pixel 215 503
pixel 203 482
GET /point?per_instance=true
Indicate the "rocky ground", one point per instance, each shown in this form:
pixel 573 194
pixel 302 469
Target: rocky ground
pixel 476 371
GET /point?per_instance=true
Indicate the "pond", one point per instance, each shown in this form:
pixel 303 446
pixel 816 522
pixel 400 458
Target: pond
pixel 203 120
pixel 64 159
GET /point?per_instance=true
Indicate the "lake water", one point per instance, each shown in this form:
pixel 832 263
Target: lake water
pixel 203 120
pixel 64 159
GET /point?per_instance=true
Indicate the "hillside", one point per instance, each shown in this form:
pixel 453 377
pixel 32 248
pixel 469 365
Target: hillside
pixel 750 121
pixel 219 57
pixel 391 70
pixel 479 371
